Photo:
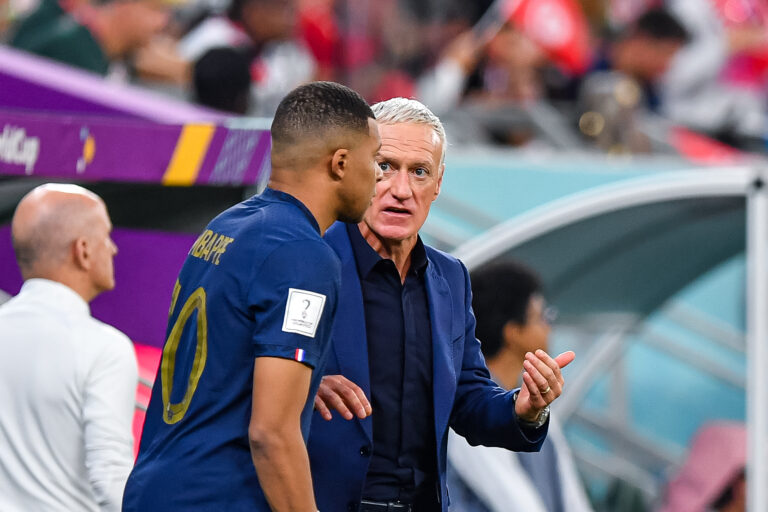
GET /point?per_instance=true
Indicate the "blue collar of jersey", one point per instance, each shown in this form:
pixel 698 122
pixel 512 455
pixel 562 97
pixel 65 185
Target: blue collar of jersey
pixel 271 194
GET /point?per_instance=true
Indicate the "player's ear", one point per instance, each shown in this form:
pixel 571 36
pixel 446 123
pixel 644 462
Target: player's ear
pixel 339 163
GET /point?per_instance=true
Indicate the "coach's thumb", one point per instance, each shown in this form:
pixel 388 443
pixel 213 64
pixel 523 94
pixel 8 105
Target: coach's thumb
pixel 565 358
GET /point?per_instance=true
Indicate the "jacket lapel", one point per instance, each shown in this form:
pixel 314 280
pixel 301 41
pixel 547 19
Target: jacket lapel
pixel 441 315
pixel 349 340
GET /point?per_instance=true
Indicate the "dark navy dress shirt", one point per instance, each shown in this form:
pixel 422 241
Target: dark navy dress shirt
pixel 404 459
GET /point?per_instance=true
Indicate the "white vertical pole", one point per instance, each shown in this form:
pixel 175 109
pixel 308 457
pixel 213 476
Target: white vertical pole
pixel 757 346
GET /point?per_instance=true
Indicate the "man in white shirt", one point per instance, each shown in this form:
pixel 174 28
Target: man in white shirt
pixel 67 381
pixel 512 319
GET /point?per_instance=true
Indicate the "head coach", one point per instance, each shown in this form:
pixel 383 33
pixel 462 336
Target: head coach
pixel 405 337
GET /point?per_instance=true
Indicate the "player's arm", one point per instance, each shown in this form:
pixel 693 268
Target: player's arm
pixel 280 390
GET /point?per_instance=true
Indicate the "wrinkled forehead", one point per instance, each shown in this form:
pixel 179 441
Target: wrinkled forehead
pixel 411 138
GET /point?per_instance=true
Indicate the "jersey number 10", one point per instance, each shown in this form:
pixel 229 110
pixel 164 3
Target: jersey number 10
pixel 173 413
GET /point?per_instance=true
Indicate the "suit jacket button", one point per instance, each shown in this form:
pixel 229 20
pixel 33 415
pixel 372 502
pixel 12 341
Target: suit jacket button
pixel 352 507
pixel 365 451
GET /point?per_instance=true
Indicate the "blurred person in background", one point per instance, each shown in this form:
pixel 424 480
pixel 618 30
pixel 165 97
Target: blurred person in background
pixel 5 18
pixel 499 71
pixel 92 37
pixel 644 50
pixel 717 84
pixel 623 85
pixel 712 477
pixel 266 29
pixel 67 381
pixel 512 319
pixel 95 37
pixel 221 79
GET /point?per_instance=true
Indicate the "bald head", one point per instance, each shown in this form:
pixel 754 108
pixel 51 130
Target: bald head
pixel 46 224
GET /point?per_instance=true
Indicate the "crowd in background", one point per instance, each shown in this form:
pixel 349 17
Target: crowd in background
pixel 617 75
pixel 611 74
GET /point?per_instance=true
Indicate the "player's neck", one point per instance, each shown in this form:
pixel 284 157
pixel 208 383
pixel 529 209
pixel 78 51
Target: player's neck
pixel 310 196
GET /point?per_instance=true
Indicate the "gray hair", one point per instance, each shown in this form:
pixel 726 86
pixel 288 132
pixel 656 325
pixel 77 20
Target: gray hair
pixel 404 110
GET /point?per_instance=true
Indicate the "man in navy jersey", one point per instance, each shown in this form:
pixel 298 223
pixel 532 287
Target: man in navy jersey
pixel 250 322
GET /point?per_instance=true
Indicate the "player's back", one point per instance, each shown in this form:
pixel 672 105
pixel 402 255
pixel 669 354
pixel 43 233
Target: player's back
pixel 228 307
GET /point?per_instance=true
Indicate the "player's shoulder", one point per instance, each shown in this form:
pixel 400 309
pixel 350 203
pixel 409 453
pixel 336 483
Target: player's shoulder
pixel 277 216
pixel 309 252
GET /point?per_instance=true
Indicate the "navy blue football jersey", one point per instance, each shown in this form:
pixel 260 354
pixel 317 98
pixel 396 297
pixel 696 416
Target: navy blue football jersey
pixel 258 282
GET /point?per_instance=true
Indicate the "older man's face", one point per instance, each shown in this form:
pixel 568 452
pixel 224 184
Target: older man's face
pixel 412 175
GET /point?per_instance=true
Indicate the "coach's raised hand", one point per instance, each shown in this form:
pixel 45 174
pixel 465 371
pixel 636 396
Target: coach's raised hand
pixel 542 383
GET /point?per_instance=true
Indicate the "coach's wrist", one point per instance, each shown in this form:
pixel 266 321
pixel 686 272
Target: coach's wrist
pixel 539 421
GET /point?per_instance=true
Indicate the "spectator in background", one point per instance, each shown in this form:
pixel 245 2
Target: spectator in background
pixel 512 320
pixel 5 18
pixel 645 50
pixel 713 475
pixel 624 82
pixel 639 55
pixel 266 29
pixel 67 381
pixel 717 83
pixel 91 37
pixel 221 79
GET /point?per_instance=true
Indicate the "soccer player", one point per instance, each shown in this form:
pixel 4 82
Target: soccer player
pixel 250 321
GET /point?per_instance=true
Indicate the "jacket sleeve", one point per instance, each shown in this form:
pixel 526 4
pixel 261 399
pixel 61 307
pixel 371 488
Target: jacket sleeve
pixel 483 412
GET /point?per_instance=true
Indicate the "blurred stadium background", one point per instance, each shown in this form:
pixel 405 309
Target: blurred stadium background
pixel 621 156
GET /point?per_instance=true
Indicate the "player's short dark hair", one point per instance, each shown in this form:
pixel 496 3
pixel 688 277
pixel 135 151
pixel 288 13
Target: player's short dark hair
pixel 501 293
pixel 317 107
pixel 659 23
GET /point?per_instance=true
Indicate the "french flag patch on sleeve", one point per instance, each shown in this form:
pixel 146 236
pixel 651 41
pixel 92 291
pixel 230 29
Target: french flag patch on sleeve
pixel 299 355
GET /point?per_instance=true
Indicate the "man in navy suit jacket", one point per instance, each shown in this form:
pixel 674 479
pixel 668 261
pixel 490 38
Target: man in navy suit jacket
pixel 404 336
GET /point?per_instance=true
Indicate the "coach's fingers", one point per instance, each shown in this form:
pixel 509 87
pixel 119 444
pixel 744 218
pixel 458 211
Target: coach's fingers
pixel 536 401
pixel 339 393
pixel 355 397
pixel 367 409
pixel 539 385
pixel 322 409
pixel 352 394
pixel 330 397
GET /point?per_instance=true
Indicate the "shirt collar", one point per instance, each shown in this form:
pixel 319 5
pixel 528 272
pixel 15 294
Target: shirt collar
pixel 55 293
pixel 366 257
pixel 271 194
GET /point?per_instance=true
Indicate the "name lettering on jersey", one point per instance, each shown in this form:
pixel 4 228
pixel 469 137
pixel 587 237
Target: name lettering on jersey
pixel 210 246
pixel 303 311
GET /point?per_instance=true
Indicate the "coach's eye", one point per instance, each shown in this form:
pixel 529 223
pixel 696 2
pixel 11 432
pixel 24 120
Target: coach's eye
pixel 384 166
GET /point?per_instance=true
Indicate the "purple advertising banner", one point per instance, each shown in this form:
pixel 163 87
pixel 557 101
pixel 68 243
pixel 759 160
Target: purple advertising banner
pixel 146 267
pixel 95 148
pixel 35 83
